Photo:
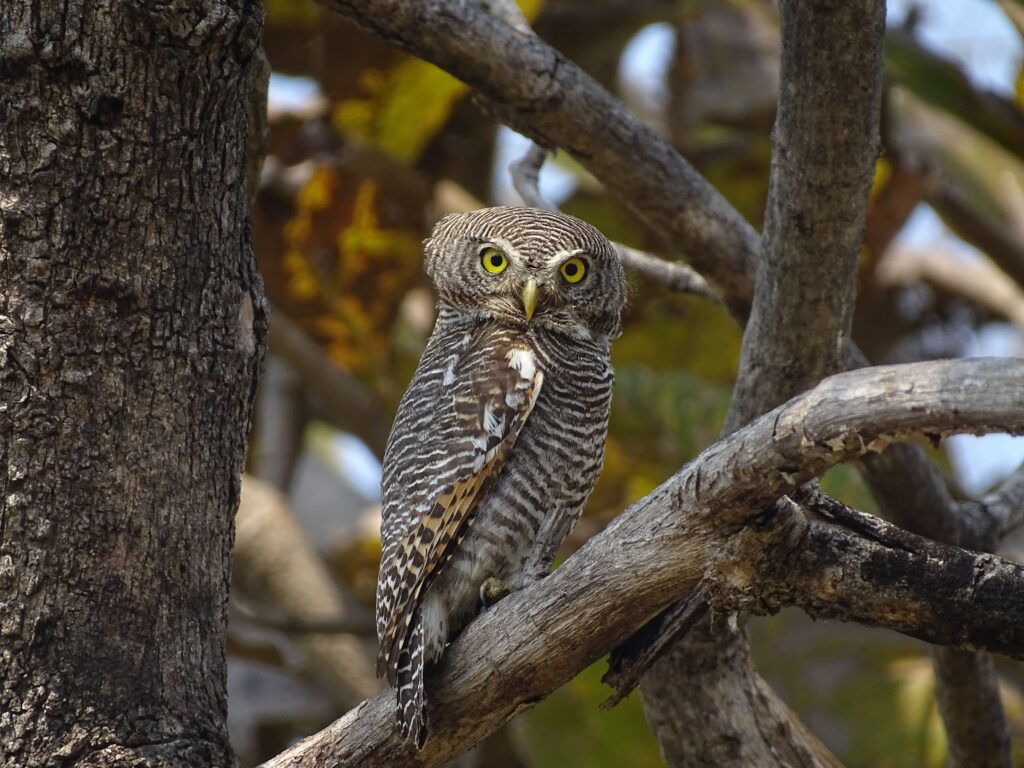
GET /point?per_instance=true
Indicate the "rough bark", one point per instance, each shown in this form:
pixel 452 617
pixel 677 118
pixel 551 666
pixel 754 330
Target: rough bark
pixel 824 147
pixel 709 517
pixel 131 329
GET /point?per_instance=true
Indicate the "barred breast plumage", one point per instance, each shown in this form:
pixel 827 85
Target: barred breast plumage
pixel 501 432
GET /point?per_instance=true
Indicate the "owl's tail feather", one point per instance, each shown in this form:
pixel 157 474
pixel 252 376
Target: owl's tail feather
pixel 412 698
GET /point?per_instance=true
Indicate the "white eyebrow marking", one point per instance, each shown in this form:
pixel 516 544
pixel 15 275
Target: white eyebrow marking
pixel 505 246
pixel 559 256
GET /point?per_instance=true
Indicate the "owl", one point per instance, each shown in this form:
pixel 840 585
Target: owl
pixel 499 439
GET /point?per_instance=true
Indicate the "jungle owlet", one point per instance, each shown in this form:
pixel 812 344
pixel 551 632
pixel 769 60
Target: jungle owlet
pixel 499 439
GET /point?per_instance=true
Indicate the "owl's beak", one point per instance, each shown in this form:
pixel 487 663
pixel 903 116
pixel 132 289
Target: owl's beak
pixel 529 297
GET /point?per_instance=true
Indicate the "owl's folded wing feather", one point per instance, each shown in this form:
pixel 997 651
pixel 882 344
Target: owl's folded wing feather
pixel 490 408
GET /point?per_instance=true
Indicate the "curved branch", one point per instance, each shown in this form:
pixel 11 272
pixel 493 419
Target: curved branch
pixel 658 550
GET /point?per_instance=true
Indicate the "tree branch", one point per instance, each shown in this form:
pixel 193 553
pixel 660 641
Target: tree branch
pixel 979 281
pixel 661 547
pixel 675 277
pixel 1006 503
pixel 824 147
pixel 525 173
pixel 995 238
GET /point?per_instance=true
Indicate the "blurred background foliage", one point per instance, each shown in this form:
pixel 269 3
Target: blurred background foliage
pixel 366 147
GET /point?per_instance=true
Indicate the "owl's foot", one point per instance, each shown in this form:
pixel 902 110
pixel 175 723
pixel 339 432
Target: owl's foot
pixel 492 590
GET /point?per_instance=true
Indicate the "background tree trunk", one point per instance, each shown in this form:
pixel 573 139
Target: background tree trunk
pixel 131 330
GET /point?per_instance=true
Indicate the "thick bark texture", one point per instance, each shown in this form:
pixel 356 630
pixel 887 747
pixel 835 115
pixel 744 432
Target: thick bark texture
pixel 131 329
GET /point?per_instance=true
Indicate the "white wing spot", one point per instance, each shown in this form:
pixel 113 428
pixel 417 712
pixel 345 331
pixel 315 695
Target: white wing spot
pixel 491 423
pixel 523 361
pixel 449 372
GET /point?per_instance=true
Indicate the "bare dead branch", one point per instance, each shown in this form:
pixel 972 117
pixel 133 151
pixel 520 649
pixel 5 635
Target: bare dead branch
pixel 662 546
pixel 290 625
pixel 1006 503
pixel 628 662
pixel 674 276
pixel 948 87
pixel 997 239
pixel 525 173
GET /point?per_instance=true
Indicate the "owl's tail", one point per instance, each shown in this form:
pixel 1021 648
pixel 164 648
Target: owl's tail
pixel 412 698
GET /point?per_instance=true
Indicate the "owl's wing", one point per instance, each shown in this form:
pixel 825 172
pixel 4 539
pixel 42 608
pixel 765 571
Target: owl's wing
pixel 492 400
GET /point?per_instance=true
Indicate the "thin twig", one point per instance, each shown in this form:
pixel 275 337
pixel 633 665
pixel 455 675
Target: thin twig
pixel 674 276
pixel 525 173
pixel 630 661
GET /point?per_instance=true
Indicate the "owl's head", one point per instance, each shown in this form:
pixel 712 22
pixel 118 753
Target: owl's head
pixel 526 265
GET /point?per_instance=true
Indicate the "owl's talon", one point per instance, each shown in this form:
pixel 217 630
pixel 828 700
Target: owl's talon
pixel 492 590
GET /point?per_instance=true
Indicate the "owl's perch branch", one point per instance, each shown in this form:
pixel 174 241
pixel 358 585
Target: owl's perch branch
pixel 708 519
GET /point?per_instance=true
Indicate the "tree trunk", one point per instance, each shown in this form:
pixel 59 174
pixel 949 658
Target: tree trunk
pixel 131 331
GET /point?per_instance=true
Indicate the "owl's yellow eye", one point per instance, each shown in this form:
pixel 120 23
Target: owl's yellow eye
pixel 494 261
pixel 574 269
